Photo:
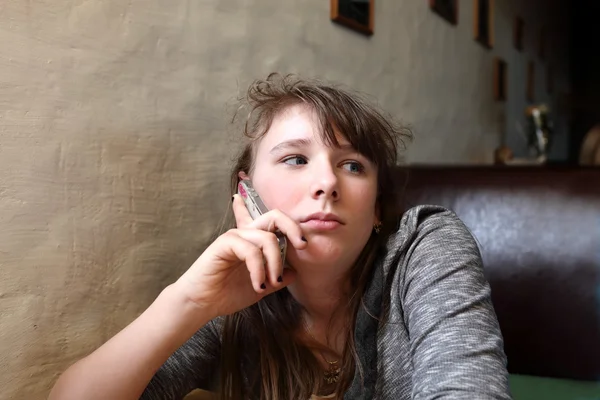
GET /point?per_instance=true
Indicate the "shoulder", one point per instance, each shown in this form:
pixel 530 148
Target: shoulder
pixel 433 263
pixel 425 218
pixel 431 229
pixel 432 248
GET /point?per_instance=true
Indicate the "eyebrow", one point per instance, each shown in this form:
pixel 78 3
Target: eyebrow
pixel 299 143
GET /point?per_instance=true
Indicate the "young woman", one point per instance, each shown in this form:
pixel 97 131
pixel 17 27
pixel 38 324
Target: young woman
pixel 371 303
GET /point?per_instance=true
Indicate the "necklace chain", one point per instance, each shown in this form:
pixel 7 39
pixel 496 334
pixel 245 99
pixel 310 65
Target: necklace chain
pixel 332 374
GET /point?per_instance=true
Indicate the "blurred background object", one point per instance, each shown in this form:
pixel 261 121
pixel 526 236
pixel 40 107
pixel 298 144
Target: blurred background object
pixel 539 130
pixel 590 149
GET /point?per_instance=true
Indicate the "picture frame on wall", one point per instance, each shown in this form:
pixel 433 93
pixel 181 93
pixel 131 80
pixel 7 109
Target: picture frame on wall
pixel 357 15
pixel 484 22
pixel 542 43
pixel 519 31
pixel 500 79
pixel 447 9
pixel 530 87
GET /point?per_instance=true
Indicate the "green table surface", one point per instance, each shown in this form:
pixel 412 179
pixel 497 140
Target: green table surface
pixel 525 387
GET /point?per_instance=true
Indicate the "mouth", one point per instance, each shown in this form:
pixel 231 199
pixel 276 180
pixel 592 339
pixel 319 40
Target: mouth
pixel 324 217
pixel 322 222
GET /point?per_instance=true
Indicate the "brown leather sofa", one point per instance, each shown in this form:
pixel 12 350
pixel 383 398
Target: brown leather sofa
pixel 538 229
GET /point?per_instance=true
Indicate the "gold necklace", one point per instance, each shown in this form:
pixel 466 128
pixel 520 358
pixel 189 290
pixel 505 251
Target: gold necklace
pixel 332 374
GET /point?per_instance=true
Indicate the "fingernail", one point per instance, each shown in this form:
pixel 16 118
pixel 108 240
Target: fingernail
pixel 304 239
pixel 263 286
pixel 279 279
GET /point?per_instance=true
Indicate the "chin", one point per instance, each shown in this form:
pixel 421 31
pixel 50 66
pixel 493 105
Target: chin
pixel 320 252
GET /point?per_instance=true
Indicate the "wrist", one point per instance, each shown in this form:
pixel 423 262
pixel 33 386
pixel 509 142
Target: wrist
pixel 187 297
pixel 189 316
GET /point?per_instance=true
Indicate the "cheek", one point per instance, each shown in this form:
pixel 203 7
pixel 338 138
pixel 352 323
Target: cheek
pixel 364 207
pixel 366 196
pixel 277 193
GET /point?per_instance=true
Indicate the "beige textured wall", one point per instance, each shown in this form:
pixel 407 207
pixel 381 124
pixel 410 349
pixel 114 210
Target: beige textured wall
pixel 113 148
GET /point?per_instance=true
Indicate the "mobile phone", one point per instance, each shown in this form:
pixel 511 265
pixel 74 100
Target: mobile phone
pixel 256 208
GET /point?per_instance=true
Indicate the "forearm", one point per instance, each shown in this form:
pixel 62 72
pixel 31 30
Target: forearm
pixel 123 366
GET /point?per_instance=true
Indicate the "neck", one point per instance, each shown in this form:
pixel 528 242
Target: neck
pixel 321 293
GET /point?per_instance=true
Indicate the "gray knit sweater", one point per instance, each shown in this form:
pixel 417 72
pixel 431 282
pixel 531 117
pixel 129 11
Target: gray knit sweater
pixel 441 340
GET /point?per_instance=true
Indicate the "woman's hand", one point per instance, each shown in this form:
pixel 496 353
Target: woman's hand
pixel 242 265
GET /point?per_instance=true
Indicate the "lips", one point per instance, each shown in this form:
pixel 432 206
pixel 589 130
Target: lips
pixel 322 222
pixel 324 217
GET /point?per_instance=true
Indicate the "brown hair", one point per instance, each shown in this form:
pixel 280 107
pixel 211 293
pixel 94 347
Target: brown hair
pixel 262 351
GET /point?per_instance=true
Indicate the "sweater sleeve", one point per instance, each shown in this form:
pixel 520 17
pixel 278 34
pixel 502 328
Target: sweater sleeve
pixel 455 341
pixel 193 366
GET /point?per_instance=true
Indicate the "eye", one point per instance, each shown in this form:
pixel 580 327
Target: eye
pixel 354 166
pixel 295 160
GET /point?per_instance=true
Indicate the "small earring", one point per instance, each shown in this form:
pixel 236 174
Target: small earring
pixel 377 227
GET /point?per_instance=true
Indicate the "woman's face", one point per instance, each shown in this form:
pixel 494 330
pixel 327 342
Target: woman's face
pixel 331 192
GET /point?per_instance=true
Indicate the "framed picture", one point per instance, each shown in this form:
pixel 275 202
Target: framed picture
pixel 447 9
pixel 542 43
pixel 354 14
pixel 500 79
pixel 519 31
pixel 530 87
pixel 484 22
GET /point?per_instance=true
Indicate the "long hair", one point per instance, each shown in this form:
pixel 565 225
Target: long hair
pixel 263 354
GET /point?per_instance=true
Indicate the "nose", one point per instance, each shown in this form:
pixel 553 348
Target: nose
pixel 325 183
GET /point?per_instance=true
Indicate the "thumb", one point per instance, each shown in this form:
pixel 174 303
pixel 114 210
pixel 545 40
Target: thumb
pixel 242 216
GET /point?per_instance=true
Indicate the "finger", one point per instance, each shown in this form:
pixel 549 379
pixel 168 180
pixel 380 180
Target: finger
pixel 267 242
pixel 252 256
pixel 276 220
pixel 242 216
pixel 288 277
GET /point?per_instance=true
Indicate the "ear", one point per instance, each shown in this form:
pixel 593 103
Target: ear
pixel 377 213
pixel 242 175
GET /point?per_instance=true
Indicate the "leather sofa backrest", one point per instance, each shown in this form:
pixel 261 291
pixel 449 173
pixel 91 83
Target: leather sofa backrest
pixel 538 229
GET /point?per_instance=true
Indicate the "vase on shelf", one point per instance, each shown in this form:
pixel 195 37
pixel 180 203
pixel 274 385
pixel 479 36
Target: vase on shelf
pixel 538 131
